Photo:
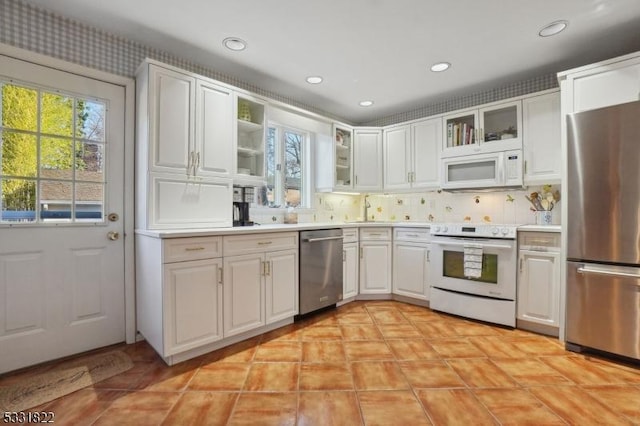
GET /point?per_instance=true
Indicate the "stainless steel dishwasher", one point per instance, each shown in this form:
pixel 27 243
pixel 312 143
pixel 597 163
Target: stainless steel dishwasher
pixel 320 269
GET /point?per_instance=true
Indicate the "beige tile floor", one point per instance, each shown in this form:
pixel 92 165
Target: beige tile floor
pixel 374 363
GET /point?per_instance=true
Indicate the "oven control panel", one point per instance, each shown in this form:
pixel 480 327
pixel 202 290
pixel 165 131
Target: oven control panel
pixel 475 230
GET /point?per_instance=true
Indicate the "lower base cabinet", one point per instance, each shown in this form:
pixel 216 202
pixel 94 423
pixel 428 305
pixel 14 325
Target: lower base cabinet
pixel 375 261
pixel 411 262
pixel 539 278
pixel 350 251
pixel 190 294
pixel 260 288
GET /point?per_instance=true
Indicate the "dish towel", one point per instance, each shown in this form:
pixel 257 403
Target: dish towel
pixel 472 260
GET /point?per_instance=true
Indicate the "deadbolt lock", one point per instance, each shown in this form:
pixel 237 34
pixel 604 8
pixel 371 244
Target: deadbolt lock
pixel 113 217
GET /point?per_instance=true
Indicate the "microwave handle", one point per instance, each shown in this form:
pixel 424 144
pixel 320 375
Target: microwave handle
pixel 457 244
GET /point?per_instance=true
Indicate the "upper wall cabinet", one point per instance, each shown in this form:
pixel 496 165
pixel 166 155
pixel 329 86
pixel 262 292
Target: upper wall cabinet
pixel 251 121
pixel 607 83
pixel 412 155
pixel 543 159
pixel 343 155
pixel 184 150
pixel 493 128
pixel 367 161
pixel 191 125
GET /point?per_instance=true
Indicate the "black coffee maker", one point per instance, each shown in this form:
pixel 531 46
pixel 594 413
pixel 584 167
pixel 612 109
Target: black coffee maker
pixel 242 197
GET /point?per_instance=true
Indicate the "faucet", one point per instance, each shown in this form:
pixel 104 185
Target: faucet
pixel 366 208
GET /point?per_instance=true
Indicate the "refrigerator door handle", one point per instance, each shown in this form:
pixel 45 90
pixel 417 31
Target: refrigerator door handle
pixel 607 272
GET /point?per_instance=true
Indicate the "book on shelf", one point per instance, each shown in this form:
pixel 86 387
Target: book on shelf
pixel 449 134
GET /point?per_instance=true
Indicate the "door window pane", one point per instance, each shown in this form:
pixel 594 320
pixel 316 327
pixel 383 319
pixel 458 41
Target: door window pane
pixel 56 158
pixel 56 198
pixel 19 108
pixel 56 114
pixel 19 154
pixel 18 200
pixel 88 201
pixel 90 118
pixel 90 161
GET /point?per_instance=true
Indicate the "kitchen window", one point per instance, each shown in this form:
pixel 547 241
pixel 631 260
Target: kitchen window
pixel 287 167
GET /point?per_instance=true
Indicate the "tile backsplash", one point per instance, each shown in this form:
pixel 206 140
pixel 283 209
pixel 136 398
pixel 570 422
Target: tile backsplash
pixel 500 206
pixel 510 206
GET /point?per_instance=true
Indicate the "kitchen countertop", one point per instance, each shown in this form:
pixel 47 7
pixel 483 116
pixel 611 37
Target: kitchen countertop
pixel 281 227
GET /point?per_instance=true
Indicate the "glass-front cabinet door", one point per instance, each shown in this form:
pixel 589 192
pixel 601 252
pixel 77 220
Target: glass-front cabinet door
pixel 490 129
pixel 343 141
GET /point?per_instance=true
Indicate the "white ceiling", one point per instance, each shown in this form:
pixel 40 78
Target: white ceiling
pixel 371 49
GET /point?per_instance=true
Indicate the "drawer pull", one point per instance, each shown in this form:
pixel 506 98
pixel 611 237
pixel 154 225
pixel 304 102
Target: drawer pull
pixel 194 249
pixel 375 234
pixel 264 243
pixel 413 235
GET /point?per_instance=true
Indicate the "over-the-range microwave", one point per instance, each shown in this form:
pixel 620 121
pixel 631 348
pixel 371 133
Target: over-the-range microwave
pixel 477 171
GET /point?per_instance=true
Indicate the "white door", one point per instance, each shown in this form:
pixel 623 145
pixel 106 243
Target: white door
pixel 243 293
pixel 350 270
pixel 281 285
pixel 375 267
pixel 61 225
pixel 397 159
pixel 426 136
pixel 368 160
pixel 193 301
pixel 410 270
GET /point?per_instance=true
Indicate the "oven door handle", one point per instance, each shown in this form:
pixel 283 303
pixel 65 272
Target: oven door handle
pixel 482 245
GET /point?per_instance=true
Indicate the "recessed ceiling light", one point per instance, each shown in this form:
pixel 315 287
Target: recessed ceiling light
pixel 234 43
pixel 366 103
pixel 315 79
pixel 553 28
pixel 440 66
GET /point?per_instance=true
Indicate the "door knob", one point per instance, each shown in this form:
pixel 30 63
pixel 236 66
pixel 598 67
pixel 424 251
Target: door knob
pixel 113 236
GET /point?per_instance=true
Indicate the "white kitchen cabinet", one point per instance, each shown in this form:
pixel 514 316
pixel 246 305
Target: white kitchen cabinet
pixel 343 156
pixel 193 298
pixel 281 285
pixel 350 263
pixel 367 162
pixel 171 118
pixel 260 287
pixel 179 293
pixel 411 258
pixel 412 155
pixel 375 260
pixel 251 133
pixel 611 82
pixel 214 130
pixel 539 278
pixel 184 130
pixel 491 128
pixel 541 144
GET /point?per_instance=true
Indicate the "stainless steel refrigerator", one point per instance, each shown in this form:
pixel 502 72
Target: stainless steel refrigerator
pixel 603 251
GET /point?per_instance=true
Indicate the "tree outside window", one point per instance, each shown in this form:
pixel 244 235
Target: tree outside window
pixel 286 153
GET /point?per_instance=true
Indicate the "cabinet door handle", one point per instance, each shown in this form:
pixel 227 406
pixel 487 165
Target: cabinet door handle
pixel 521 260
pixel 361 253
pixel 525 167
pixel 268 268
pixel 220 276
pixel 429 256
pixel 264 268
pixel 196 166
pixel 356 179
pixel 194 249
